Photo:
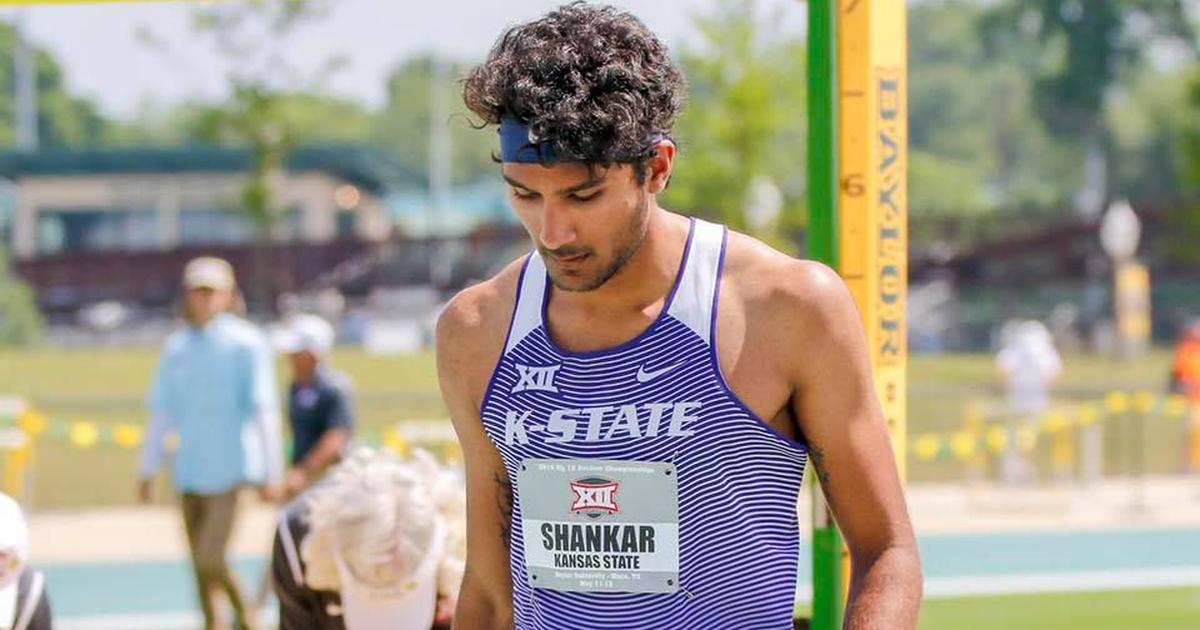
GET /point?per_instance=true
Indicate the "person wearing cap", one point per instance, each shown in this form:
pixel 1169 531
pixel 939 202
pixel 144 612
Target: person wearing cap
pixel 379 544
pixel 214 387
pixel 319 400
pixel 23 601
pixel 1029 364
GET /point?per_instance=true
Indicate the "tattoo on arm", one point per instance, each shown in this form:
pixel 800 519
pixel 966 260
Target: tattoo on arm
pixel 504 500
pixel 817 455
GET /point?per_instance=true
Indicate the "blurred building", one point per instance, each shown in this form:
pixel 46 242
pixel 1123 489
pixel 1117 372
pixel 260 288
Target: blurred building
pixel 468 208
pixel 1055 272
pixel 148 199
pixel 117 225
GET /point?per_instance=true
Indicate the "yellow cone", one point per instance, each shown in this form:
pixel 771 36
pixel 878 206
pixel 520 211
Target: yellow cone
pixel 928 446
pixel 127 435
pixel 32 422
pixel 1143 401
pixel 997 440
pixel 84 434
pixel 963 445
pixel 1088 414
pixel 1054 422
pixel 394 441
pixel 1116 402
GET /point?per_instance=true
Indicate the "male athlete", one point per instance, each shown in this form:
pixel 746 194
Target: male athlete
pixel 637 399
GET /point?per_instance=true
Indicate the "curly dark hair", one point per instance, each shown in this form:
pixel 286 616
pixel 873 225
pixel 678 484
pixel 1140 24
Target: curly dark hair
pixel 591 80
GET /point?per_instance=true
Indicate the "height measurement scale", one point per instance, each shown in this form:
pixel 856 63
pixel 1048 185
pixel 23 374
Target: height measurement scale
pixel 858 216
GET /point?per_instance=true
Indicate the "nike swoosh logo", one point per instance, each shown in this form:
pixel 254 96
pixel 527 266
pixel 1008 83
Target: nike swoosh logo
pixel 645 377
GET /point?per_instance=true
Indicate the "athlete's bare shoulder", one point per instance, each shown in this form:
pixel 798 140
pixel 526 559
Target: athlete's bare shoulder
pixel 794 317
pixel 771 284
pixel 779 317
pixel 471 330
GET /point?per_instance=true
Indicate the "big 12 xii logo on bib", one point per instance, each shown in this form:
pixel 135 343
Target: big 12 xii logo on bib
pixel 594 496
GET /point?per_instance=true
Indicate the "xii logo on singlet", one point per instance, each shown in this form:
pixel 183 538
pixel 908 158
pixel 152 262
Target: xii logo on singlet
pixel 536 378
pixel 594 496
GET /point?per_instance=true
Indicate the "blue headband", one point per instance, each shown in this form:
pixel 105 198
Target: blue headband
pixel 519 144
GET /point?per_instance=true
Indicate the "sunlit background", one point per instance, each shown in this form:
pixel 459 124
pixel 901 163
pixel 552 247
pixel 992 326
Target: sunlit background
pixel 1054 177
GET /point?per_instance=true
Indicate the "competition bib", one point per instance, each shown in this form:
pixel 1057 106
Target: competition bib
pixel 600 525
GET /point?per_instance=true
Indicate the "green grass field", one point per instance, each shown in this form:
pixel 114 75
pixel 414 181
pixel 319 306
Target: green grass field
pixel 106 387
pixel 1168 609
pixel 1150 609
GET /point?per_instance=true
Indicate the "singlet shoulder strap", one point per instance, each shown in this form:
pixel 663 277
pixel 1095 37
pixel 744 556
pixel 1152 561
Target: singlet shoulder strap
pixel 531 292
pixel 694 302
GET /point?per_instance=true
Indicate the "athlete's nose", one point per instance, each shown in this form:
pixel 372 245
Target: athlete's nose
pixel 557 227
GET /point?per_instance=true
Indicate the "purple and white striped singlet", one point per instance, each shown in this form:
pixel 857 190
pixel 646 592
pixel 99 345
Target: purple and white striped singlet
pixel 645 493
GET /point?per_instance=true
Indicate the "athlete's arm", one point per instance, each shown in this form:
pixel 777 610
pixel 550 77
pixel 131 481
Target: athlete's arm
pixel 468 344
pixel 839 415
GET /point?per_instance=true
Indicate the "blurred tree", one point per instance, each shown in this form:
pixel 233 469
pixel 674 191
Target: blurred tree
pixel 975 144
pixel 1149 117
pixel 20 321
pixel 745 121
pixel 1184 220
pixel 403 127
pixel 314 117
pixel 1084 47
pixel 978 155
pixel 63 120
pixel 263 111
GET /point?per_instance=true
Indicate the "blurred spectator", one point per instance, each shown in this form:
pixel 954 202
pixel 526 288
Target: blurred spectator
pixel 215 387
pixel 379 544
pixel 23 601
pixel 1185 371
pixel 319 400
pixel 1029 363
pixel 1185 380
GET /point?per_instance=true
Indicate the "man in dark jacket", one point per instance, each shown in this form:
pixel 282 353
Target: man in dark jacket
pixel 320 408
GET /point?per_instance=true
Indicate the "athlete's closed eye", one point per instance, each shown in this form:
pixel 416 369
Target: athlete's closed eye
pixel 521 193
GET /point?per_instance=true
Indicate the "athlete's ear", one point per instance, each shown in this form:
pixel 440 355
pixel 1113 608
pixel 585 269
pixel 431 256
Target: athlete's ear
pixel 658 168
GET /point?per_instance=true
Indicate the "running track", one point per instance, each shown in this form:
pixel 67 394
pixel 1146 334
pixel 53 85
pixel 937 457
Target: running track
pixel 158 595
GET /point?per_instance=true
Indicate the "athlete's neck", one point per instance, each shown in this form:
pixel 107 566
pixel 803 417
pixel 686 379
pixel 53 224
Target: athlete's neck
pixel 644 280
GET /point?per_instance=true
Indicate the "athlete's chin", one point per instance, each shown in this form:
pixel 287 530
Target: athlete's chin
pixel 586 273
pixel 575 280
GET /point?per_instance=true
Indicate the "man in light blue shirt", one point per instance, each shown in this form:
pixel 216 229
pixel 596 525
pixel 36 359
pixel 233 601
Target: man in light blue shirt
pixel 215 388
